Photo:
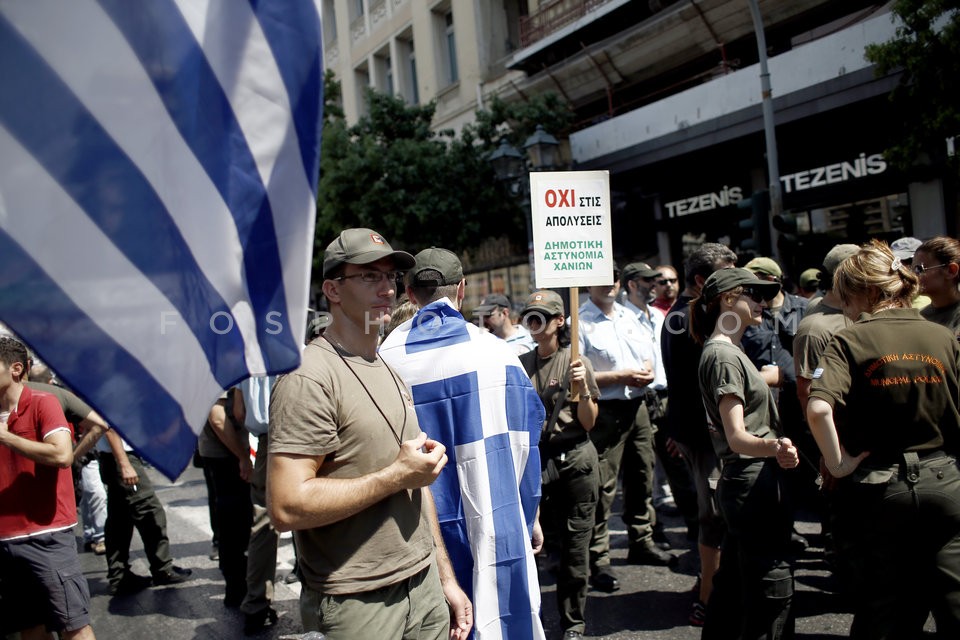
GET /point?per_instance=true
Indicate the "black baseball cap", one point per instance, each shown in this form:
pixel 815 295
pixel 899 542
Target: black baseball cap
pixel 638 270
pixel 491 302
pixel 723 280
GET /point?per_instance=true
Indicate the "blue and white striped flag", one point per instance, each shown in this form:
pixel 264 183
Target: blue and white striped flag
pixel 472 395
pixel 158 170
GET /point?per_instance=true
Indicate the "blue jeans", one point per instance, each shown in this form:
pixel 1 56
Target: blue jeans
pixel 93 506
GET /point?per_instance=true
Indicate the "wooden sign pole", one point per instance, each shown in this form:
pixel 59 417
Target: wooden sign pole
pixel 575 332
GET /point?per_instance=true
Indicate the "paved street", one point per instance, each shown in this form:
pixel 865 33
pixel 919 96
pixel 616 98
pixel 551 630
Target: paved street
pixel 652 603
pixel 193 609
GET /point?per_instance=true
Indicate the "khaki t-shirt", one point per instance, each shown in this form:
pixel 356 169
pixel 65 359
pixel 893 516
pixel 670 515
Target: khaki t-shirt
pixel 209 444
pixel 547 375
pixel 725 370
pixel 813 335
pixel 329 407
pixel 948 316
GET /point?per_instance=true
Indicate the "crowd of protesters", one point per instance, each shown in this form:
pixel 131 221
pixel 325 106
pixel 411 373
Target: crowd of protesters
pixel 431 464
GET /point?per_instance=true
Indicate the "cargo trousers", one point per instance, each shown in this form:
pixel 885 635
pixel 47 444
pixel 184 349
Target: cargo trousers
pixel 898 528
pixel 567 511
pixel 753 589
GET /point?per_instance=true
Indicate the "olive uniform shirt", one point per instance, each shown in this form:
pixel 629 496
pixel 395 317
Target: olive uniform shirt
pixel 725 370
pixel 813 335
pixel 547 375
pixel 892 381
pixel 75 409
pixel 948 316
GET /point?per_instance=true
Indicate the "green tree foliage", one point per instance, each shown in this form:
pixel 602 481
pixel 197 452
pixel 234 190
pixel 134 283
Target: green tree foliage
pixel 927 49
pixel 392 173
pixel 518 120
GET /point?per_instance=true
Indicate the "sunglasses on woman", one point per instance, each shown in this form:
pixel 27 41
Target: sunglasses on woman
pixel 535 319
pixel 919 269
pixel 754 294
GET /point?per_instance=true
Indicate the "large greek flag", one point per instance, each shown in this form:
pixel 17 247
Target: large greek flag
pixel 472 395
pixel 158 169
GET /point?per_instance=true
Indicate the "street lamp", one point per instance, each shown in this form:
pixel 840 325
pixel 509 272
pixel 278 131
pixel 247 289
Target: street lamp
pixel 512 169
pixel 508 166
pixel 543 150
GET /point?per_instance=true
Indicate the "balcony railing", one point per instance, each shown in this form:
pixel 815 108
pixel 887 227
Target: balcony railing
pixel 552 17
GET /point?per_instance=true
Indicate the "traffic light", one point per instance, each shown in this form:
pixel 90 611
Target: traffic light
pixel 756 224
pixel 788 238
pixel 788 224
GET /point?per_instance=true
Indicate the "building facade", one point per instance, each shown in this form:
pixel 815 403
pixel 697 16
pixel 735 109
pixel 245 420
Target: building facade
pixel 451 51
pixel 667 98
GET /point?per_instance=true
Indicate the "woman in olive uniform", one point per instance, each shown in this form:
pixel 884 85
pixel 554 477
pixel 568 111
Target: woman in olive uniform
pixel 571 477
pixel 753 590
pixel 883 409
pixel 937 264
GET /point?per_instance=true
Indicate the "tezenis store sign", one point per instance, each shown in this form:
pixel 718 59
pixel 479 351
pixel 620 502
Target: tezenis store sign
pixel 833 173
pixel 704 202
pixel 861 167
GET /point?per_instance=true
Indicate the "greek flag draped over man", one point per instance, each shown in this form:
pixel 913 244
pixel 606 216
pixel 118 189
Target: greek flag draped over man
pixel 158 170
pixel 472 395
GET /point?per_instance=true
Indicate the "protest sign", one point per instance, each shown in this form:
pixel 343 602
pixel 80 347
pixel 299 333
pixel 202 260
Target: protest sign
pixel 571 228
pixel 572 237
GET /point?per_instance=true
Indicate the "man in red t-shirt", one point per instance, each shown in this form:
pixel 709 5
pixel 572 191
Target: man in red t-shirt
pixel 666 289
pixel 42 586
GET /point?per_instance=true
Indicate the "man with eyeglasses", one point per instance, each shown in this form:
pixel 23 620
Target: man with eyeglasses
pixel 769 346
pixel 666 288
pixel 349 468
pixel 623 359
pixel 640 475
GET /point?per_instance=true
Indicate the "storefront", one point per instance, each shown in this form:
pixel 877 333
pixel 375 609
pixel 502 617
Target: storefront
pixel 680 164
pixel 836 187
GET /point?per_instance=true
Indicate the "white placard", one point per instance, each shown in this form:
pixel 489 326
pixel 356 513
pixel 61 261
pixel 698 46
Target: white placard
pixel 572 238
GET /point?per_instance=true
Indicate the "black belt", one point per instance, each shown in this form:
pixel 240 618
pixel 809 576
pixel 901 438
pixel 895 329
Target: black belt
pixel 913 461
pixel 933 453
pixel 654 394
pixel 885 461
pixel 620 403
